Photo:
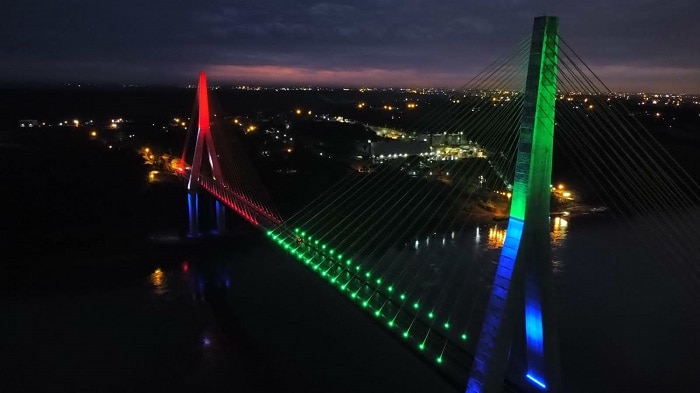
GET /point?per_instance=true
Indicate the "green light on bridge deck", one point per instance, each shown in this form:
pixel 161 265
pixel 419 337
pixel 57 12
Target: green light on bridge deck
pixel 379 281
pixel 331 252
pixel 365 303
pixel 368 274
pixel 296 230
pixel 431 315
pixel 324 274
pixel 390 323
pixel 416 305
pixel 390 288
pixel 316 241
pixel 333 280
pixel 303 233
pixel 353 295
pixel 446 325
pixel 403 296
pixel 405 334
pixel 357 267
pixel 464 336
pixel 344 287
pixel 348 262
pixel 269 233
pixel 439 359
pixel 340 256
pixel 377 313
pixel 323 246
pixel 421 346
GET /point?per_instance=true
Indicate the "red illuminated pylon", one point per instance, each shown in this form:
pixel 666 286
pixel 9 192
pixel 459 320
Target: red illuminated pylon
pixel 203 137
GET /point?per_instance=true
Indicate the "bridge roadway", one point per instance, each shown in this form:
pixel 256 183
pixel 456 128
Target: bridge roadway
pixel 309 337
pixel 251 212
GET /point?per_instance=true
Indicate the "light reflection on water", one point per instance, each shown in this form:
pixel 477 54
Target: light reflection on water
pixel 159 281
pixel 496 238
pixel 497 233
pixel 559 229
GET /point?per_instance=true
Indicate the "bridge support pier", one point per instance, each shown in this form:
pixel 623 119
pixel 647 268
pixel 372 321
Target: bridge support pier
pixel 193 209
pixel 220 217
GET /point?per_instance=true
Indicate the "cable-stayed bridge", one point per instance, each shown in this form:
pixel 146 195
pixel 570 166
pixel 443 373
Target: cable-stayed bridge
pixel 364 234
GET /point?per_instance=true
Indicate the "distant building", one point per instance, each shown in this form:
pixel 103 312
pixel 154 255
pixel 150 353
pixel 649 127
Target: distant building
pixel 443 139
pixel 391 149
pixel 28 123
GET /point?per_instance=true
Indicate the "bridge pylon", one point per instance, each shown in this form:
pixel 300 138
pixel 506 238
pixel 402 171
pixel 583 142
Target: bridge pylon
pixel 522 292
pixel 203 142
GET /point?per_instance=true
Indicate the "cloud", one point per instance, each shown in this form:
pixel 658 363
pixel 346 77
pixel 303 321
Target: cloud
pixel 329 10
pixel 653 78
pixel 273 74
pixel 434 38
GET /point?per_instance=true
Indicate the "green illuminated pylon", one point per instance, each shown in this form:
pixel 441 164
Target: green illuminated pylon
pixel 522 289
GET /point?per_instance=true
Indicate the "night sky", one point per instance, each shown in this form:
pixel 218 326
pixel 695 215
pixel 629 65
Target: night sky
pixel 633 45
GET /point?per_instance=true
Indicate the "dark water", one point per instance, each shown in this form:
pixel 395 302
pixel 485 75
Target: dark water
pixel 149 334
pixel 628 316
pixel 247 318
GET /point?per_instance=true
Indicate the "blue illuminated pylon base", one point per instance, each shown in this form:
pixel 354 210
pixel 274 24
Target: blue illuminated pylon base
pixel 194 219
pixel 518 304
pixel 193 214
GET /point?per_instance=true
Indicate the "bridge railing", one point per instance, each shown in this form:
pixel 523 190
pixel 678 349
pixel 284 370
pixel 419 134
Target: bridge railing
pixel 256 215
